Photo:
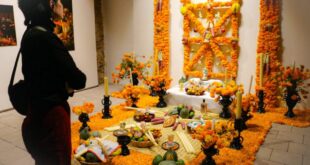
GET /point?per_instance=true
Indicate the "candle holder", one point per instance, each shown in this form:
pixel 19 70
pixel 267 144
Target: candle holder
pixel 225 101
pixel 106 102
pixel 123 139
pixel 83 118
pixel 237 141
pixel 245 116
pixel 209 152
pixel 261 104
pixel 161 103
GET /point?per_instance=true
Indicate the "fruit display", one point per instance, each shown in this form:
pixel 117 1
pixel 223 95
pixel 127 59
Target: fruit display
pixel 140 137
pixel 183 111
pixel 96 151
pixel 143 116
pixel 196 90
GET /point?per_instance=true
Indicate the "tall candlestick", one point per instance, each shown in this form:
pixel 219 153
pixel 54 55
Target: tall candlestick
pixel 130 72
pixel 225 82
pixel 239 100
pixel 251 81
pixel 261 71
pixel 106 88
pixel 155 62
pixel 213 124
pixel 157 68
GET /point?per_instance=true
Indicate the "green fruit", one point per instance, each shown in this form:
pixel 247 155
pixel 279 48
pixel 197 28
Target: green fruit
pixel 184 113
pixel 180 162
pixel 173 112
pixel 191 114
pixel 179 108
pixel 141 139
pixel 117 152
pixel 157 159
pixel 90 157
pixel 84 134
pixel 167 162
pixel 171 155
pixel 96 134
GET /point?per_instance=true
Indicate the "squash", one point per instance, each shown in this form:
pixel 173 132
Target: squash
pixel 167 162
pixel 171 155
pixel 91 158
pixel 180 162
pixel 184 113
pixel 84 134
pixel 157 159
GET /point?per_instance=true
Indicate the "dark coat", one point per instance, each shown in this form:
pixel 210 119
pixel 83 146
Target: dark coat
pixel 48 67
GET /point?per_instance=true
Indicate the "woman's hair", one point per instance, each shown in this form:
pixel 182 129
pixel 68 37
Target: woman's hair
pixel 35 11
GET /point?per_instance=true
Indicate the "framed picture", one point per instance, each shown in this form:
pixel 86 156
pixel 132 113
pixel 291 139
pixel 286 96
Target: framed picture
pixel 64 27
pixel 7 26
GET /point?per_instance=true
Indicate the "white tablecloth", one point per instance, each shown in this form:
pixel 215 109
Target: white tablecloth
pixel 176 97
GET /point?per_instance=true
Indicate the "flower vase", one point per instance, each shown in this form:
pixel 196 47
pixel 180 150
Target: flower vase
pixel 134 101
pixel 291 98
pixel 209 152
pixel 161 103
pixel 83 118
pixel 153 92
pixel 135 80
pixel 225 101
pixel 124 140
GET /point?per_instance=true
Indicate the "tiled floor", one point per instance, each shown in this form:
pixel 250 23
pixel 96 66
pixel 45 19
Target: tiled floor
pixel 284 145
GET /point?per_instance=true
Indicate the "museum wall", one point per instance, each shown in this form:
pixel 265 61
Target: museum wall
pixel 84 53
pixel 295 35
pixel 118 32
pixel 143 27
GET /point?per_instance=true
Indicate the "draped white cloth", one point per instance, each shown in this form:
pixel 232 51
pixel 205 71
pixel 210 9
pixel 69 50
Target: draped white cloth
pixel 176 97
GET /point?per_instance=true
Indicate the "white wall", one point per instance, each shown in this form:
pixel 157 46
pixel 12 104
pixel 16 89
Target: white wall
pixel 295 35
pixel 118 32
pixel 248 33
pixel 143 27
pixel 85 46
pixel 295 32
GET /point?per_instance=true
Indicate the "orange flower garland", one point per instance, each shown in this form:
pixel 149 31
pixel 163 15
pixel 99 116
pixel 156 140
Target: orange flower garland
pixel 131 92
pixel 269 43
pixel 162 33
pixel 228 90
pixel 254 136
pixel 213 46
pixel 87 107
pixel 222 134
pixel 158 82
pixel 147 101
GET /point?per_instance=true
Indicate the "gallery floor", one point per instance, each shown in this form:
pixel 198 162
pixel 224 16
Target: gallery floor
pixel 284 145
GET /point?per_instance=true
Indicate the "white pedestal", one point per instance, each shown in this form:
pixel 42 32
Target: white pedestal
pixel 177 97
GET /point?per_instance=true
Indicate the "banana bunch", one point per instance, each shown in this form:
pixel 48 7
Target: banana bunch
pixel 196 90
